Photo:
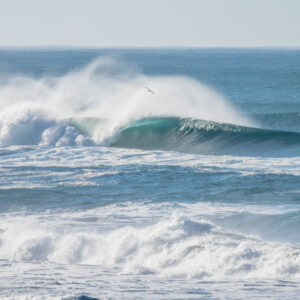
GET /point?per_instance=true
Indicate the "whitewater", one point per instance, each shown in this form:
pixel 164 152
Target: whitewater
pixel 149 173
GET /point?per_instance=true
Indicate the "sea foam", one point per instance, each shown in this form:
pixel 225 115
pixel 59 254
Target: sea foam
pixel 174 246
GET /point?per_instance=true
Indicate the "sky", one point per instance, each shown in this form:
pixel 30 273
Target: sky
pixel 150 23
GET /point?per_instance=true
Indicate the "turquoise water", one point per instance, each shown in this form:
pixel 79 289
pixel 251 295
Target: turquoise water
pixel 187 191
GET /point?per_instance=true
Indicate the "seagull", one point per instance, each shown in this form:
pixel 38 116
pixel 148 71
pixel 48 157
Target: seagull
pixel 149 90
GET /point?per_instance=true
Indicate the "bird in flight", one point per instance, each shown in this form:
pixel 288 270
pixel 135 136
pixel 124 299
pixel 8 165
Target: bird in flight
pixel 149 90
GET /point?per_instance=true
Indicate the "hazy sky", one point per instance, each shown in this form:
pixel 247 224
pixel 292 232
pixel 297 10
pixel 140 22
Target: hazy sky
pixel 104 23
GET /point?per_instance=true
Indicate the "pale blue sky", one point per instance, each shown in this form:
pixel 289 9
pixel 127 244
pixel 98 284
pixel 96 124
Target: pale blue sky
pixel 156 23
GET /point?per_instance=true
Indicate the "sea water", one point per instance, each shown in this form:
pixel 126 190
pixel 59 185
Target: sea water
pixel 149 173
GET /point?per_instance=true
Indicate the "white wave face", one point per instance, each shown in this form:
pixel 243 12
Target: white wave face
pixel 181 245
pixel 32 108
pixel 25 126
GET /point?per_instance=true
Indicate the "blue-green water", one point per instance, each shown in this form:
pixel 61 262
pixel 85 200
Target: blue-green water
pixel 149 173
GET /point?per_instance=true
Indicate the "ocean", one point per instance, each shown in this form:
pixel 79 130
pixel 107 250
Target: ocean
pixel 149 173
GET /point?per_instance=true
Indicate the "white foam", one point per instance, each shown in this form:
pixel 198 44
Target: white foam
pixel 104 89
pixel 64 157
pixel 168 246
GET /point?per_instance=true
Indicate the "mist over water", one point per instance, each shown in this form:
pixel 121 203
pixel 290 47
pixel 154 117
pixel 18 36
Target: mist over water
pixel 159 174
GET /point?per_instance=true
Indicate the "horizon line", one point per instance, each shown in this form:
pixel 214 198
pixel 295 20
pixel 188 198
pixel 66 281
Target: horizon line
pixel 142 47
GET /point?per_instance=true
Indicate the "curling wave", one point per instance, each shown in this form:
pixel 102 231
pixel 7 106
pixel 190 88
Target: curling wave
pixel 194 136
pixel 125 114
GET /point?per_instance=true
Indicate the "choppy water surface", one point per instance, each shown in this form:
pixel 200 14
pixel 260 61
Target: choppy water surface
pixel 189 190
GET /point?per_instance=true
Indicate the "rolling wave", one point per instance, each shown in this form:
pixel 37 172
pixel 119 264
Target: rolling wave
pixel 37 111
pixel 195 136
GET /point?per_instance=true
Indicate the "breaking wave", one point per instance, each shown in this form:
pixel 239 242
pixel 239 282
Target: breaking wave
pixel 156 133
pixel 110 104
pixel 195 136
pixel 173 246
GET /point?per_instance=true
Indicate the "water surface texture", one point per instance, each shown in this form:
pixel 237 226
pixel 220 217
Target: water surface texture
pixel 149 173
